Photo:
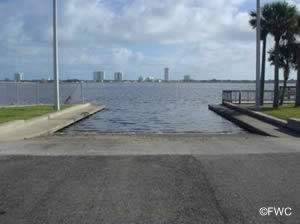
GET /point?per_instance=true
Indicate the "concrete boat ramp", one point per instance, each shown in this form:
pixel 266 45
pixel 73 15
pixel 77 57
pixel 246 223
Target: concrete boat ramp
pixel 167 178
pixel 47 124
pixel 253 124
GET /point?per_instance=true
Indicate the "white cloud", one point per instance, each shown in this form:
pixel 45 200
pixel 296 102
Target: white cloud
pixel 166 21
pixel 205 38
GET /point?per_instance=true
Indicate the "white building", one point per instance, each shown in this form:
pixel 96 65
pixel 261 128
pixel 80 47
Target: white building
pixel 118 76
pixel 99 76
pixel 19 77
pixel 166 70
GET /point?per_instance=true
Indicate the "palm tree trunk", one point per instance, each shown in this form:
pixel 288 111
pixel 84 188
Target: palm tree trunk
pixel 263 71
pixel 286 77
pixel 297 104
pixel 276 75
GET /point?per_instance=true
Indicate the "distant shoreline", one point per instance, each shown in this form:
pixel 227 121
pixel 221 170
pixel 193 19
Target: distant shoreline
pixel 134 81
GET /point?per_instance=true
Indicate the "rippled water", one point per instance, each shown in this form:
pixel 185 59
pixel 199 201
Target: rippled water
pixel 157 108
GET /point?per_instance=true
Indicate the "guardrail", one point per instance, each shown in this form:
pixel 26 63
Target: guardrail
pixel 248 96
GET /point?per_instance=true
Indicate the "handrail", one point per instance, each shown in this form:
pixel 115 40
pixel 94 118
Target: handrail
pixel 248 96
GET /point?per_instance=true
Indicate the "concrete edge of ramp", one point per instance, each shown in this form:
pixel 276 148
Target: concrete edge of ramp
pixel 46 124
pixel 253 124
pixel 257 114
pixel 232 116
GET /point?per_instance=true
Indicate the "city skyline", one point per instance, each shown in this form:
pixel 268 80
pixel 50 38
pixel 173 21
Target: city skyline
pixel 136 37
pixel 97 77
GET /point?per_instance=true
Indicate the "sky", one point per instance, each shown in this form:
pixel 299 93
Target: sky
pixel 205 39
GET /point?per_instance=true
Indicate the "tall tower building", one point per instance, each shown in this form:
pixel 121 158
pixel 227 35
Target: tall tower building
pixel 118 76
pixel 167 77
pixel 99 76
pixel 19 77
pixel 187 78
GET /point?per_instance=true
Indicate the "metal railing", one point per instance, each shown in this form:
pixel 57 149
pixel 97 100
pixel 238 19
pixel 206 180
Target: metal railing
pixel 30 93
pixel 248 96
pixel 290 93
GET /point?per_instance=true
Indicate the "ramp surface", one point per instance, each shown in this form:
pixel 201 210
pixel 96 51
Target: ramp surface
pixel 250 123
pixel 46 124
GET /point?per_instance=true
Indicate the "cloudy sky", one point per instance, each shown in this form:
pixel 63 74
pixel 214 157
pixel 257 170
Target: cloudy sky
pixel 206 39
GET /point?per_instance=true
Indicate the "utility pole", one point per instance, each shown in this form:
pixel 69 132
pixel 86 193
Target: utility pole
pixel 258 37
pixel 55 58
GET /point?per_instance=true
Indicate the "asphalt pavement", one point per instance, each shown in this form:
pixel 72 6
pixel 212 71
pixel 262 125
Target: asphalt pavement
pixel 149 179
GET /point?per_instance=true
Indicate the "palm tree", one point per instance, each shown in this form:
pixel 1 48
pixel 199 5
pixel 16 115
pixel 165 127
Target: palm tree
pixel 264 35
pixel 286 59
pixel 283 19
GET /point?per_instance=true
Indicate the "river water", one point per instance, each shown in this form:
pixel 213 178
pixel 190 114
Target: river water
pixel 157 108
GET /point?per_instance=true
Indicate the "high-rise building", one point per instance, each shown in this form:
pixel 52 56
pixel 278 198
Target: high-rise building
pixel 167 74
pixel 99 76
pixel 19 77
pixel 187 78
pixel 118 76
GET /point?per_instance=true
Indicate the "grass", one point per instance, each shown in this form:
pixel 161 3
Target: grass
pixel 23 113
pixel 283 112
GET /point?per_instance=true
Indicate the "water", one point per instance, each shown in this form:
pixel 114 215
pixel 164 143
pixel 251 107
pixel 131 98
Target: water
pixel 157 108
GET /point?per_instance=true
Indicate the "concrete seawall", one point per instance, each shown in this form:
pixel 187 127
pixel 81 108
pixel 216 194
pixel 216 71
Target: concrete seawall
pixel 46 124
